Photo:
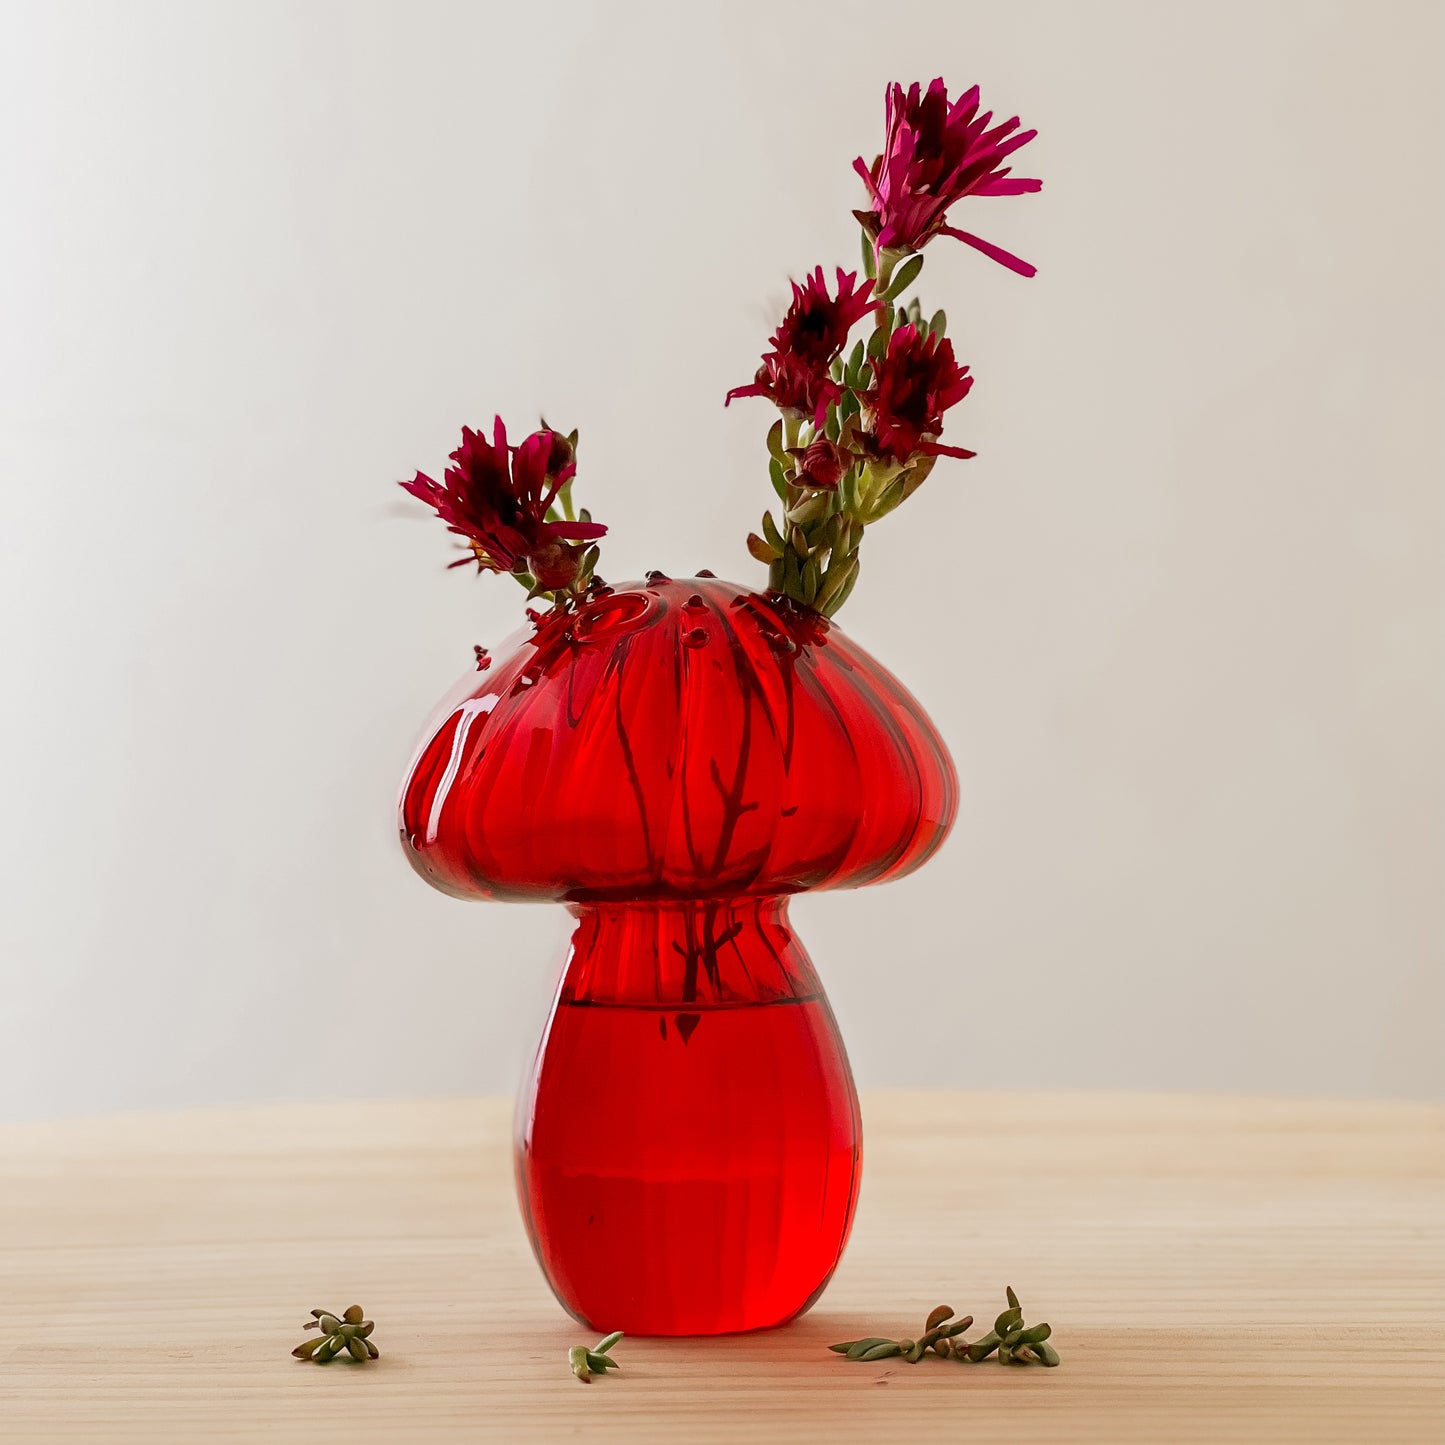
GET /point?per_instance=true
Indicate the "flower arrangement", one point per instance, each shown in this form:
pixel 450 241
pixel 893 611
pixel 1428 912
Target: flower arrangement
pixel 857 434
pixel 676 758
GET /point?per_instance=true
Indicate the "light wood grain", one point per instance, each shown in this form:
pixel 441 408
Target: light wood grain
pixel 1215 1270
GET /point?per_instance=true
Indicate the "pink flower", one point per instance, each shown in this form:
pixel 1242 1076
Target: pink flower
pixel 821 464
pixel 794 373
pixel 792 386
pixel 915 381
pixel 816 326
pixel 936 153
pixel 497 497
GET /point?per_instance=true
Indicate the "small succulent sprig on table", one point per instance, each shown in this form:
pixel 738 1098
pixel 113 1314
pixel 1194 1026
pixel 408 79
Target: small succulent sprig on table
pixel 936 1334
pixel 1016 1342
pixel 857 436
pixel 350 1332
pixel 585 1363
pixel 1013 1340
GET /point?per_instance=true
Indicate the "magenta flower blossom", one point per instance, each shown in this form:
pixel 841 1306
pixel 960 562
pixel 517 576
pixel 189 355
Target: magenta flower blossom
pixel 497 497
pixel 936 153
pixel 915 381
pixel 816 326
pixel 792 386
pixel 794 373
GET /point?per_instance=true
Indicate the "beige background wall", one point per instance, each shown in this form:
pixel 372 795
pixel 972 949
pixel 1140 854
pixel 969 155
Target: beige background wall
pixel 1180 622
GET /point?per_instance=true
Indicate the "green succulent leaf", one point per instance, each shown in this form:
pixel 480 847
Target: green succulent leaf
pixel 792 582
pixel 886 1350
pixel 858 1348
pixel 811 581
pixel 779 479
pixel 904 276
pixel 982 1347
pixel 891 497
pixel 844 589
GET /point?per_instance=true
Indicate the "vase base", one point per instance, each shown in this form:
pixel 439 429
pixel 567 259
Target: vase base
pixel 690 1172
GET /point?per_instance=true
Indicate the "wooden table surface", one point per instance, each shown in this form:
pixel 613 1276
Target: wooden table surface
pixel 1214 1269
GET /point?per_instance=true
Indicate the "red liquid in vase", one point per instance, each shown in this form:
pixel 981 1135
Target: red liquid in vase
pixel 688 1149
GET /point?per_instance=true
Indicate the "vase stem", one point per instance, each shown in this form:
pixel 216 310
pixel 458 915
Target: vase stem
pixel 688 1146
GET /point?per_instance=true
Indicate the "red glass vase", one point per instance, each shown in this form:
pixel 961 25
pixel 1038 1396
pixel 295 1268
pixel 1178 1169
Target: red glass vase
pixel 673 760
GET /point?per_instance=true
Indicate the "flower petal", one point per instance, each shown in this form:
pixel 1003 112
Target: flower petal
pixel 1008 187
pixel 996 253
pixel 753 390
pixel 867 175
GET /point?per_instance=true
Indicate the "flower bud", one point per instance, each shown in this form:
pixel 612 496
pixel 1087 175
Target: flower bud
pixel 821 464
pixel 561 454
pixel 555 565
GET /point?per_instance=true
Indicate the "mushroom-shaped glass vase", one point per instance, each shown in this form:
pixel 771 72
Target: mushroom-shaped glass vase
pixel 673 760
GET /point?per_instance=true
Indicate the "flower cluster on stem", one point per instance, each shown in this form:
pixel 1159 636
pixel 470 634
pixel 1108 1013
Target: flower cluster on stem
pixel 512 505
pixel 860 432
